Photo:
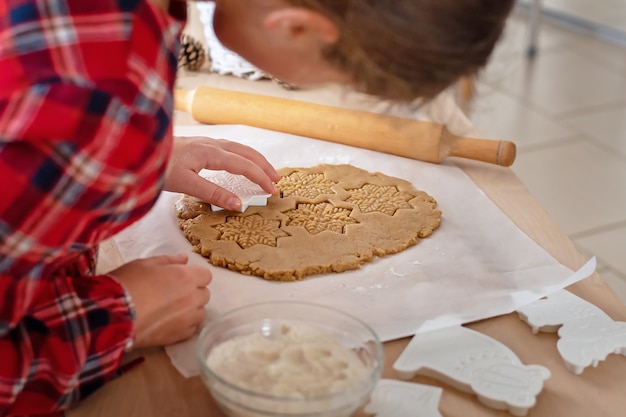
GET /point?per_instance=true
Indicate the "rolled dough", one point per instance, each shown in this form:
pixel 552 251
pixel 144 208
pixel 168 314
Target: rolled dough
pixel 329 218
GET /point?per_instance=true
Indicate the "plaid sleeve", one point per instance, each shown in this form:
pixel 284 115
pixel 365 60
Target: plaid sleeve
pixel 68 343
pixel 85 134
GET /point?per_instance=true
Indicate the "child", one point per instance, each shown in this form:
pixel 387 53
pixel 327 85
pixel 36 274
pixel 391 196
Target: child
pixel 86 146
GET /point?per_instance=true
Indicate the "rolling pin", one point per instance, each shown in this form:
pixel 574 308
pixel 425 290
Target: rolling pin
pixel 424 141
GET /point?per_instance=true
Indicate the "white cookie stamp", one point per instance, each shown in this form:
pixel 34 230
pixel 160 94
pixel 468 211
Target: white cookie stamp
pixel 473 362
pixel 249 193
pixel 587 335
pixel 393 398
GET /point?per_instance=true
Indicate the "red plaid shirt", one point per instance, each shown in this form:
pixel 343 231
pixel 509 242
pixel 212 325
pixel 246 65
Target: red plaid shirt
pixel 85 133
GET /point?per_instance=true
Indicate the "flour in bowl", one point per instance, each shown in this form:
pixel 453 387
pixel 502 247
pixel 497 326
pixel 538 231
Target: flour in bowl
pixel 294 360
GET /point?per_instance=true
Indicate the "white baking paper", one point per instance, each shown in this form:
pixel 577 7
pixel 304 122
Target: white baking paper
pixel 478 264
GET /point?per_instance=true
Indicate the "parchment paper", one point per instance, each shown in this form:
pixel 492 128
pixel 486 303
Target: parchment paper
pixel 478 264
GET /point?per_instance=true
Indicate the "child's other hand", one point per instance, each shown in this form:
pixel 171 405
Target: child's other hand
pixel 169 298
pixel 190 155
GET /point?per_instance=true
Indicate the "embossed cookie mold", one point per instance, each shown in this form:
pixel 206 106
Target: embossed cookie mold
pixel 393 398
pixel 248 192
pixel 587 335
pixel 473 362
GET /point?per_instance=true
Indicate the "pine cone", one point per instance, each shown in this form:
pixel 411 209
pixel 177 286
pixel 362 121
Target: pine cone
pixel 192 54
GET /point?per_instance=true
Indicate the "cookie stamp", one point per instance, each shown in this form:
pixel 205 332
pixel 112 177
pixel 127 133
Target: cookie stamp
pixel 476 363
pixel 393 398
pixel 249 193
pixel 587 335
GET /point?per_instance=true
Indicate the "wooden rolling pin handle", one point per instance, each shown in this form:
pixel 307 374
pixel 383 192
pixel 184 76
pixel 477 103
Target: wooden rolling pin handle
pixel 183 100
pixel 497 152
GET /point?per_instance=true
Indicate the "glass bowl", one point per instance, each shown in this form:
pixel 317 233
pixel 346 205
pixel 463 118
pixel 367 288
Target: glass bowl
pixel 289 359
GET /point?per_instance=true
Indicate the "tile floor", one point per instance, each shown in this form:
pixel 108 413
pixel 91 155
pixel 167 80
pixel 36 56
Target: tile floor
pixel 605 17
pixel 566 111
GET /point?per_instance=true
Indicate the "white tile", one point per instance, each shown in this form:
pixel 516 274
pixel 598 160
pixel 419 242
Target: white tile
pixel 560 81
pixel 603 52
pixel 514 40
pixel 584 9
pixel 615 20
pixel 608 127
pixel 616 282
pixel 580 184
pixel 594 45
pixel 606 12
pixel 609 245
pixel 512 47
pixel 499 116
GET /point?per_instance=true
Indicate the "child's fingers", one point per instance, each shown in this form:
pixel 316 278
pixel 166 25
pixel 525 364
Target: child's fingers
pixel 180 258
pixel 252 155
pixel 210 192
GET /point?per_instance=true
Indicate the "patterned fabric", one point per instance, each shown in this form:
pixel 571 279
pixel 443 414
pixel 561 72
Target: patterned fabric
pixel 85 133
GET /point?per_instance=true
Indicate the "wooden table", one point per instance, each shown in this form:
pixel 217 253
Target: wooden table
pixel 157 389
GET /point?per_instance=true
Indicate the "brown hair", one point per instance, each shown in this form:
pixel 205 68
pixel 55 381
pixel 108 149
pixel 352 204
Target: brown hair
pixel 407 49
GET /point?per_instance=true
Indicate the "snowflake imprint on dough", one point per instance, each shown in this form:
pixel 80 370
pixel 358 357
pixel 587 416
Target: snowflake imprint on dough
pixel 384 199
pixel 316 218
pixel 305 185
pixel 251 230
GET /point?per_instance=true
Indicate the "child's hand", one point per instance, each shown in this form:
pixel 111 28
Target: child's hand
pixel 190 155
pixel 169 298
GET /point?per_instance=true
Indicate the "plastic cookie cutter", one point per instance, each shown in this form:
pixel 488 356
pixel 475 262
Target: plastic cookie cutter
pixel 393 398
pixel 473 362
pixel 249 193
pixel 587 335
